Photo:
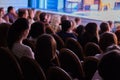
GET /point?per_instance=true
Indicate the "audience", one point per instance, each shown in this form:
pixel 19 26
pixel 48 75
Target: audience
pixel 36 16
pixel 16 30
pixel 78 21
pixel 67 30
pixel 19 31
pixel 46 52
pixel 11 15
pixel 1 15
pixel 104 27
pixel 31 16
pixel 23 13
pixel 37 29
pixel 90 34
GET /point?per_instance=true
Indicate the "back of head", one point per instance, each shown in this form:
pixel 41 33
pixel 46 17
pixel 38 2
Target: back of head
pixel 91 28
pixel 80 30
pixel 64 17
pixel 107 39
pixel 104 27
pixel 16 30
pixel 21 12
pixel 66 25
pixel 37 29
pixel 45 48
pixel 109 66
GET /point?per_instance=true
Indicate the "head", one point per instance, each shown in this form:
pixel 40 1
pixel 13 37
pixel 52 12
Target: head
pixel 77 20
pixel 30 14
pixel 36 17
pixel 45 48
pixel 18 31
pixel 80 30
pixel 107 39
pixel 2 12
pixel 110 23
pixel 64 17
pixel 91 28
pixel 104 27
pixel 23 13
pixel 43 17
pixel 66 25
pixel 37 29
pixel 55 20
pixel 10 9
pixel 73 24
pixel 118 35
pixel 109 65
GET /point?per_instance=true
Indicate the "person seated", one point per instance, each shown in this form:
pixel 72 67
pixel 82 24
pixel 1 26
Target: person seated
pixel 11 15
pixel 19 31
pixel 67 30
pixel 1 15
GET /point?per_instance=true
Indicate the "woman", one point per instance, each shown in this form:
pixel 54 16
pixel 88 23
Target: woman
pixel 16 34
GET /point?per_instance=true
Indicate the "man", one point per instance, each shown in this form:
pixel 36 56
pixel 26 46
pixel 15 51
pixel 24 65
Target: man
pixel 11 15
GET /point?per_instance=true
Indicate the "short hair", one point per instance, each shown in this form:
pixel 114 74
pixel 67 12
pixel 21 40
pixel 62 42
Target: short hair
pixel 37 29
pixel 91 28
pixel 66 24
pixel 42 16
pixel 9 8
pixel 107 39
pixel 1 8
pixel 77 19
pixel 16 30
pixel 21 12
pixel 104 27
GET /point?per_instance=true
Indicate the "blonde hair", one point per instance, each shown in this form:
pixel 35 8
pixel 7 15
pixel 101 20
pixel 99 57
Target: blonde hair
pixel 55 21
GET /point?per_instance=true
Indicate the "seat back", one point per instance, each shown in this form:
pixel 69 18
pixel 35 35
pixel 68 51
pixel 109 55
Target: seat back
pixel 9 67
pixel 90 66
pixel 74 45
pixel 57 73
pixel 31 69
pixel 59 41
pixel 71 63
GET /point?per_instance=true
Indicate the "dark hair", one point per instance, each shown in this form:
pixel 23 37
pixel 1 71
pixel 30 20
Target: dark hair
pixel 10 8
pixel 80 30
pixel 104 27
pixel 66 24
pixel 21 12
pixel 107 39
pixel 37 29
pixel 1 8
pixel 109 65
pixel 16 30
pixel 45 48
pixel 64 17
pixel 91 28
pixel 42 16
pixel 77 19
